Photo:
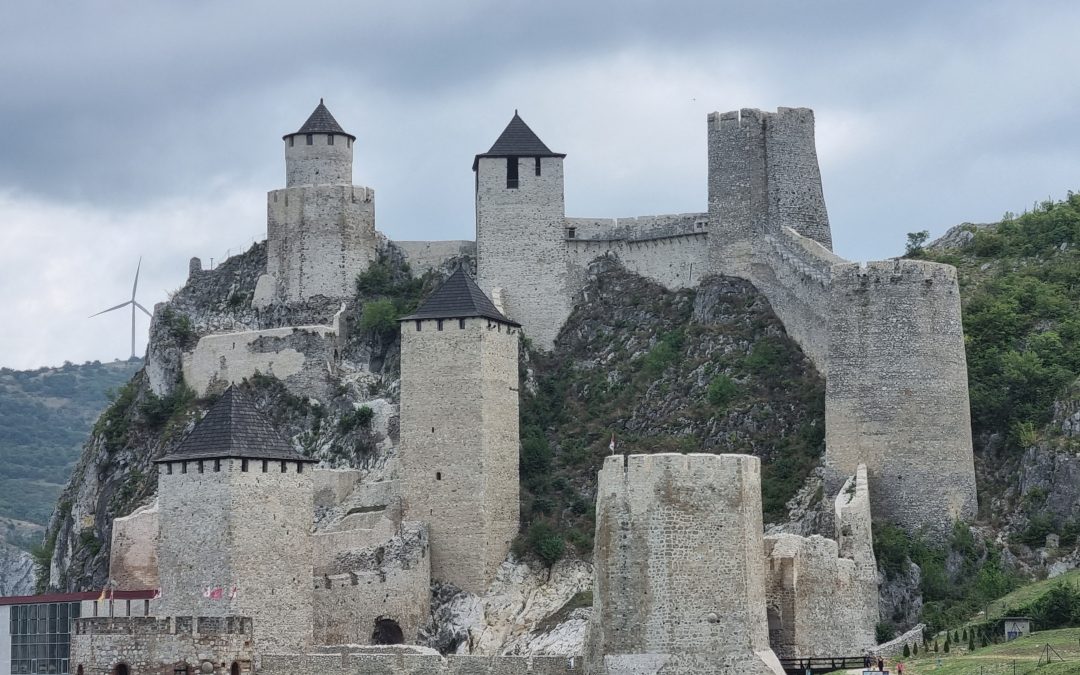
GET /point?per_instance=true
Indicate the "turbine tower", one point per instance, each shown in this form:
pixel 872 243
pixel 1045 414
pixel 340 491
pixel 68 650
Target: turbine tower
pixel 134 304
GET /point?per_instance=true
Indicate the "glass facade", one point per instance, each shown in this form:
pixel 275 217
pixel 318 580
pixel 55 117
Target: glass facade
pixel 41 637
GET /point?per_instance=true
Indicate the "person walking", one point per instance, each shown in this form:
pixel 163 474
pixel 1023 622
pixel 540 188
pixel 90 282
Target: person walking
pixel 880 664
pixel 899 668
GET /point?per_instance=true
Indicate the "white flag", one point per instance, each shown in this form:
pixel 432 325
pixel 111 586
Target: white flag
pixel 611 445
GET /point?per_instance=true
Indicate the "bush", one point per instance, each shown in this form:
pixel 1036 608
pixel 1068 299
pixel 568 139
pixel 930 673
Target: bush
pixel 356 418
pixel 907 651
pixel 884 631
pixel 915 243
pixel 535 455
pixel 545 542
pixel 722 390
pixel 379 318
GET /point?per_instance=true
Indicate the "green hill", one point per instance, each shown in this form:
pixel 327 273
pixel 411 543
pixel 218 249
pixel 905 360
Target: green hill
pixel 1021 656
pixel 45 415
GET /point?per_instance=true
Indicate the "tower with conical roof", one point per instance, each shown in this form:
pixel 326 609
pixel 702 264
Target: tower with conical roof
pixel 320 227
pixel 521 231
pixel 236 516
pixel 459 430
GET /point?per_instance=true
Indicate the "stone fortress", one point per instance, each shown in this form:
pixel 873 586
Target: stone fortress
pixel 685 579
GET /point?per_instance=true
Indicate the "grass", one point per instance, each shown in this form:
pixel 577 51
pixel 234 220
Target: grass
pixel 1025 595
pixel 1023 653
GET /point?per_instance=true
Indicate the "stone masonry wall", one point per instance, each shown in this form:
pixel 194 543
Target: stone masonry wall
pixel 896 394
pixel 424 256
pixel 676 261
pixel 795 194
pixel 244 530
pixel 519 244
pixel 459 443
pixel 679 584
pixel 301 357
pixel 157 646
pixel 416 664
pixel 133 559
pixel 327 161
pixel 319 238
pixel 738 210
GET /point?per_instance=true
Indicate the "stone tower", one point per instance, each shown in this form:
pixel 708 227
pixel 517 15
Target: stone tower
pixel 520 231
pixel 763 176
pixel 235 507
pixel 679 585
pixel 459 430
pixel 320 227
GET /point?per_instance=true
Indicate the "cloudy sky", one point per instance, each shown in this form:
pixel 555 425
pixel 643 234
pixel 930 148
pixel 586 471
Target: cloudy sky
pixel 136 128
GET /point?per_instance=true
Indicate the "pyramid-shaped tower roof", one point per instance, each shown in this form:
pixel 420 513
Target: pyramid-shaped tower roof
pixel 321 122
pixel 234 428
pixel 517 140
pixel 458 298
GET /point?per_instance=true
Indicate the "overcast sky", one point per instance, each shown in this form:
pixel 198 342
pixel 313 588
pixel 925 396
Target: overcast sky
pixel 153 129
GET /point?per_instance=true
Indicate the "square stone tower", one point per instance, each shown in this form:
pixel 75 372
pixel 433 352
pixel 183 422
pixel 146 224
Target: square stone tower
pixel 320 229
pixel 521 256
pixel 459 430
pixel 236 517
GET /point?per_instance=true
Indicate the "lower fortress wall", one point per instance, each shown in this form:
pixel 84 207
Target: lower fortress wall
pixel 416 664
pixel 301 357
pixel 133 560
pixel 425 256
pixel 679 578
pixel 158 646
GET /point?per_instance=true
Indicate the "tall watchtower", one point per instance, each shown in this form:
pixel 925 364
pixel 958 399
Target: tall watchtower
pixel 320 227
pixel 459 430
pixel 236 518
pixel 520 231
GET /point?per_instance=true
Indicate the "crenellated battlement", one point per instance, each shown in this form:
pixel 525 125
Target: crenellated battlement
pixel 895 272
pixel 170 625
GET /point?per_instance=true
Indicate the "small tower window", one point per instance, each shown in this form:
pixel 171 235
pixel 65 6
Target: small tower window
pixel 217 465
pixel 329 139
pixel 243 465
pixel 299 467
pixel 461 324
pixel 417 325
pixel 537 166
pixel 265 464
pixel 291 141
pixel 438 475
pixel 571 232
pixel 284 466
pixel 440 324
pixel 200 466
pixel 348 142
pixel 311 139
pixel 168 468
pixel 183 467
pixel 512 173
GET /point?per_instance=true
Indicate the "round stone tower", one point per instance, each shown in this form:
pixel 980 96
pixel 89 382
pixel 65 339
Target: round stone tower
pixel 680 577
pixel 319 153
pixel 320 229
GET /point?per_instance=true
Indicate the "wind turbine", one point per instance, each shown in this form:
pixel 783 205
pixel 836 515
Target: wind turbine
pixel 134 304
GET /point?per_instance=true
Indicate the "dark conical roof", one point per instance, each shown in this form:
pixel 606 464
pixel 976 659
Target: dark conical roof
pixel 321 122
pixel 458 298
pixel 234 428
pixel 517 140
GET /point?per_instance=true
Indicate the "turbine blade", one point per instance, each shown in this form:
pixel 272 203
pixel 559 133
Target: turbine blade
pixel 145 311
pixel 136 285
pixel 122 304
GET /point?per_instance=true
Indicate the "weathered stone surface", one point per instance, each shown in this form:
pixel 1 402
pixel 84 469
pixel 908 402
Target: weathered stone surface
pixel 678 546
pixel 133 561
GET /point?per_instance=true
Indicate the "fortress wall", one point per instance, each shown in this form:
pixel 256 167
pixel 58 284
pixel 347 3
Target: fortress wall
pixel 795 194
pixel 818 603
pixel 896 393
pixel 737 189
pixel 405 662
pixel 133 555
pixel 319 238
pixel 519 244
pixel 459 443
pixel 640 227
pixel 298 356
pixel 854 526
pixel 673 262
pixel 424 256
pixel 332 486
pixel 327 161
pixel 679 585
pixel 794 273
pixel 156 646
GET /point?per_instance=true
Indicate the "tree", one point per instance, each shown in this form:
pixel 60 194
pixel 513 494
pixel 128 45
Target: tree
pixel 907 651
pixel 915 242
pixel 947 641
pixel 915 649
pixel 971 642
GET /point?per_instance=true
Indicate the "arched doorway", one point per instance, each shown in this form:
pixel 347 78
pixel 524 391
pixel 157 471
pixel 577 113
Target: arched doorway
pixel 79 670
pixel 235 670
pixel 121 669
pixel 387 632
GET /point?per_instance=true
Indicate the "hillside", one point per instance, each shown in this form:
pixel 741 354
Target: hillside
pixel 45 415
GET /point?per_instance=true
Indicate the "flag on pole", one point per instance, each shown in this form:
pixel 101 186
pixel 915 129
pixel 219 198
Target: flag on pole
pixel 611 445
pixel 232 593
pixel 206 592
pixel 101 598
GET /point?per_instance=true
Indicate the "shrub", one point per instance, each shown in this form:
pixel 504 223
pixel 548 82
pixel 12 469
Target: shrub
pixel 907 651
pixel 884 631
pixel 379 318
pixel 915 243
pixel 722 390
pixel 535 455
pixel 545 542
pixel 356 418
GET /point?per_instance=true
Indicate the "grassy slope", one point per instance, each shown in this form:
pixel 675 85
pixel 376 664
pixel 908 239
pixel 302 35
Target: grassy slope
pixel 1024 653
